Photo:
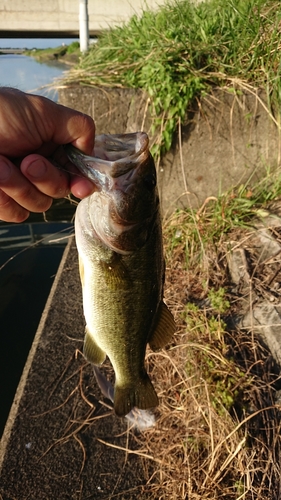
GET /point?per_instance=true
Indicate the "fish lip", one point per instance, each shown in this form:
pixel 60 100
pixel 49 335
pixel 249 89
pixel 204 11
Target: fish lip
pixel 130 150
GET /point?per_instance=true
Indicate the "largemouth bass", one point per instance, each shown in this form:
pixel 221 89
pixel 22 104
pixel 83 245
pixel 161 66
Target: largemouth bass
pixel 119 241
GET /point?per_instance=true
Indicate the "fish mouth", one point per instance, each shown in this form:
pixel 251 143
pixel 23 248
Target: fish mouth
pixel 113 156
pixel 123 208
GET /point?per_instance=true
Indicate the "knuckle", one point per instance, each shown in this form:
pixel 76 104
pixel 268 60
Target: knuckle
pixel 24 193
pixel 87 123
pixel 4 200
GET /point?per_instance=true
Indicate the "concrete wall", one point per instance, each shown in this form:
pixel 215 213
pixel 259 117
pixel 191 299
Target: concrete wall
pixel 62 15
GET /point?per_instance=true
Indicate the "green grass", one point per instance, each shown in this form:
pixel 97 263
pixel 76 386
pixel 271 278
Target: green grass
pixel 46 53
pixel 207 352
pixel 195 231
pixel 73 47
pixel 54 52
pixel 181 51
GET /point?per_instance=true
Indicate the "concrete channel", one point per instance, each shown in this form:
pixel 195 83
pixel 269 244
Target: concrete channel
pixel 53 444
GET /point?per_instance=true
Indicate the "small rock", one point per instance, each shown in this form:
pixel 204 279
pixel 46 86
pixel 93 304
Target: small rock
pixel 237 264
pixel 270 247
pixel 265 320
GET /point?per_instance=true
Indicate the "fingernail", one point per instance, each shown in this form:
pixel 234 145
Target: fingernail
pixel 83 189
pixel 36 169
pixel 5 171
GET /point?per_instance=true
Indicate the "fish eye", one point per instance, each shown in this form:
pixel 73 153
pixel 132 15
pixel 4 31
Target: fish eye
pixel 150 181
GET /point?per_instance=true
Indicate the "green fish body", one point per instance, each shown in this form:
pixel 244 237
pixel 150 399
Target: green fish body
pixel 119 240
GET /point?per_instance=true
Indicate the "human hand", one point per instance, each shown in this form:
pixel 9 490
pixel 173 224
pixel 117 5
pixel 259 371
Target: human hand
pixel 33 130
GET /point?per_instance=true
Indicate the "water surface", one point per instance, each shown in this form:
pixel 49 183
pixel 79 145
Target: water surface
pixel 34 43
pixel 27 74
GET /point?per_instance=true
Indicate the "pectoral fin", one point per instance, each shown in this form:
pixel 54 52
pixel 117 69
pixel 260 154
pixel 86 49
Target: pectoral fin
pixel 164 329
pixel 92 352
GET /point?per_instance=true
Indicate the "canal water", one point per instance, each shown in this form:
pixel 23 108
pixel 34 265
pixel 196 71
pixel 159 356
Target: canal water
pixel 27 74
pixel 30 253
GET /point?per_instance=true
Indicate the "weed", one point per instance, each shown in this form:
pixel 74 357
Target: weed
pixel 73 47
pixel 194 232
pixel 180 51
pixel 208 350
pixel 218 301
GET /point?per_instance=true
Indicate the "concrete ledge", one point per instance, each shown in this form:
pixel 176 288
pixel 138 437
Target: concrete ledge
pixel 50 449
pixel 21 387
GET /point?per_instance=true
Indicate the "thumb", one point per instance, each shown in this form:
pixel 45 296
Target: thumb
pixel 65 125
pixel 80 131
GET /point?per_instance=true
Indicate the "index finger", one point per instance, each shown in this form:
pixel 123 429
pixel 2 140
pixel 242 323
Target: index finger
pixel 80 185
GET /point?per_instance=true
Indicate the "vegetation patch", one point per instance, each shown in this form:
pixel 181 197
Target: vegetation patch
pixel 69 53
pixel 218 423
pixel 179 52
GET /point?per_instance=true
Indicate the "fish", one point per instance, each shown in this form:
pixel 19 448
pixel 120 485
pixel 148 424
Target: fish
pixel 119 240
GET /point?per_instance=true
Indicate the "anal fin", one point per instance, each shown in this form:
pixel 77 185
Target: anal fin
pixel 92 352
pixel 104 385
pixel 164 329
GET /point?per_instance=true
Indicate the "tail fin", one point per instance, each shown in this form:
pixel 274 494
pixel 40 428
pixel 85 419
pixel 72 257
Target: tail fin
pixel 142 395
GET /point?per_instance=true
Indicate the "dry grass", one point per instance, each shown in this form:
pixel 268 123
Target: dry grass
pixel 217 431
pixel 218 425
